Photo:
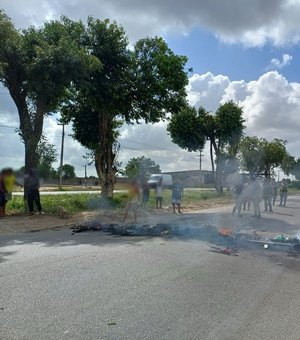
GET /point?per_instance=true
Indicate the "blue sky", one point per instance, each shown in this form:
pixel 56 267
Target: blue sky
pixel 230 45
pixel 206 52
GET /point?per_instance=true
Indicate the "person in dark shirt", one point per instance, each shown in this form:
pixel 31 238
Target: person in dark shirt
pixel 268 194
pixel 177 193
pixel 32 193
pixel 283 192
pixel 238 201
pixel 3 193
pixel 145 193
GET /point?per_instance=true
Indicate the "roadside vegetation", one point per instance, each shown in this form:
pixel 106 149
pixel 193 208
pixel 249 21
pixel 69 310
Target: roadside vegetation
pixel 76 203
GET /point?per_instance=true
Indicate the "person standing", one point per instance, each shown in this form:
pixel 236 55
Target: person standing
pixel 267 195
pixel 275 190
pixel 177 193
pixel 283 192
pixel 133 200
pixel 3 194
pixel 31 190
pixel 159 194
pixel 10 182
pixel 238 189
pixel 145 193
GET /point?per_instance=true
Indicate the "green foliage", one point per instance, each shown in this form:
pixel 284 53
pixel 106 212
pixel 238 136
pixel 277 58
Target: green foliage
pixel 141 167
pixel 143 83
pixel 38 66
pixel 47 154
pixel 288 164
pixel 72 203
pixel 229 124
pixel 190 129
pixel 295 185
pixel 261 157
pixel 186 130
pixel 296 169
pixel 76 203
pixel 68 171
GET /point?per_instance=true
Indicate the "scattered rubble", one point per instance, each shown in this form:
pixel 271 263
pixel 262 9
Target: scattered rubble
pixel 226 231
pixel 226 251
pixel 225 237
pixel 88 226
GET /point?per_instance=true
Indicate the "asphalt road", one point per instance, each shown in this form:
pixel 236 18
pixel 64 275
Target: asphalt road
pixel 94 286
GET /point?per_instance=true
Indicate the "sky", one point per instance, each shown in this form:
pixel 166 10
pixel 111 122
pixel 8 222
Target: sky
pixel 246 51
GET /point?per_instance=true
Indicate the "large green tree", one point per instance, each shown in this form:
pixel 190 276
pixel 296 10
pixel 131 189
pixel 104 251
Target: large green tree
pixel 142 168
pixel 143 82
pixel 68 171
pixel 296 169
pixel 191 128
pixel 37 66
pixel 260 157
pixel 47 155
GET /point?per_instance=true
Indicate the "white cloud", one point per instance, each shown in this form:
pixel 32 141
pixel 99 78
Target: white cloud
pixel 271 107
pixel 279 64
pixel 252 23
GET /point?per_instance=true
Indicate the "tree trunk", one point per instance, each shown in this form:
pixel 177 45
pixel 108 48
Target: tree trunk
pixel 31 156
pixel 31 125
pixel 218 171
pixel 104 156
pixel 212 161
pixel 219 177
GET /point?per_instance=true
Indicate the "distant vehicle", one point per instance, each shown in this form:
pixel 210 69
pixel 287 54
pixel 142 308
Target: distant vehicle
pixel 154 180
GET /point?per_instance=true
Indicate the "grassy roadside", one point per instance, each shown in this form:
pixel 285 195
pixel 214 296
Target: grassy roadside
pixel 87 202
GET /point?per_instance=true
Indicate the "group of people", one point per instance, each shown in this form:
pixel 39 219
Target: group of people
pixel 251 192
pixel 31 190
pixel 141 193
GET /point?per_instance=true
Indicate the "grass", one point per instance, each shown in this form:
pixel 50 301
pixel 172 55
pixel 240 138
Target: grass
pixel 76 203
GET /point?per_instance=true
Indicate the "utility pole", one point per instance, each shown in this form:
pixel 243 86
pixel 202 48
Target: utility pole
pixel 85 176
pixel 200 167
pixel 61 156
pixel 200 163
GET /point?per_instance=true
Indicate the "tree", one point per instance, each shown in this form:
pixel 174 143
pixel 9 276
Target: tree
pixel 47 155
pixel 260 157
pixel 142 168
pixel 288 164
pixel 37 66
pixel 186 129
pixel 141 83
pixel 190 129
pixel 68 171
pixel 296 170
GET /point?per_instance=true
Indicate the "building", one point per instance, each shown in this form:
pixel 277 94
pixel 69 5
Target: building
pixel 193 178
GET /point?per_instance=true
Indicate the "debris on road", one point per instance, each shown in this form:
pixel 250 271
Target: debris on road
pixel 226 238
pixel 226 251
pixel 226 231
pixel 89 226
pixel 112 323
pixel 279 238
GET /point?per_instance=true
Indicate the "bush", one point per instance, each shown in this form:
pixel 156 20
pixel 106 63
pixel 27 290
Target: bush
pixel 73 203
pixel 295 185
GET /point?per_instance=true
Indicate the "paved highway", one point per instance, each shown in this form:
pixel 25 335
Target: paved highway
pixel 94 286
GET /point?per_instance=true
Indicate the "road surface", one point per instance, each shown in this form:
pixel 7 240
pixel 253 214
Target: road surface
pixel 93 286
